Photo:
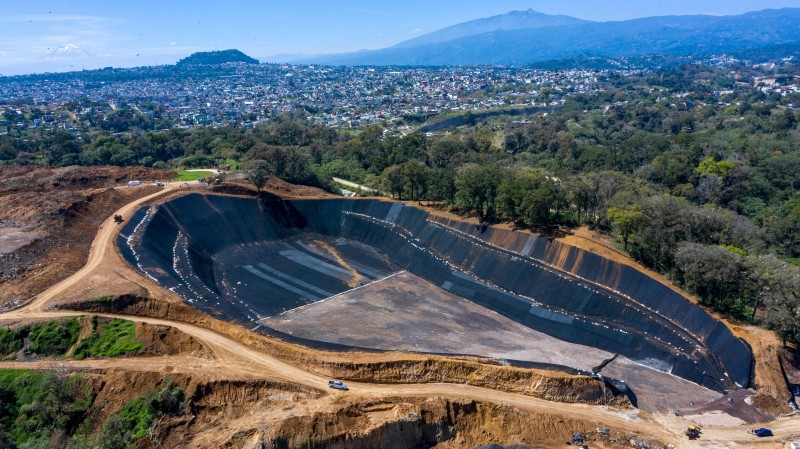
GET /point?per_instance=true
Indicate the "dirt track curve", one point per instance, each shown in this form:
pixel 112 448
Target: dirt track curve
pixel 230 354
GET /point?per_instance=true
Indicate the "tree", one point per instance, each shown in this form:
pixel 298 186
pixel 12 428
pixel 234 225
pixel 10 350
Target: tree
pixel 442 185
pixel 783 303
pixel 443 152
pixel 626 220
pixel 114 434
pixel 711 167
pixel 393 179
pixel 416 175
pixel 257 172
pixel 715 274
pixel 583 194
pixel 477 188
pixel 513 193
pixel 536 205
pixel 784 232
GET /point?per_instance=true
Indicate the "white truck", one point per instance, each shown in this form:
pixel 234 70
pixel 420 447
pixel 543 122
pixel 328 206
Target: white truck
pixel 134 183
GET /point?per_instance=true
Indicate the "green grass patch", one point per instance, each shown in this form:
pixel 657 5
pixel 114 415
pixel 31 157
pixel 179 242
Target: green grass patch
pixel 111 339
pixel 184 175
pixel 103 298
pixel 52 338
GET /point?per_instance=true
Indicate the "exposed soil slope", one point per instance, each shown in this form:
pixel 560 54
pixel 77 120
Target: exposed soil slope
pixel 54 214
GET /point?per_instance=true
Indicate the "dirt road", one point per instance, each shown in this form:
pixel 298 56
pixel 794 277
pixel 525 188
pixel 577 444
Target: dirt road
pixel 103 243
pixel 231 356
pixel 358 187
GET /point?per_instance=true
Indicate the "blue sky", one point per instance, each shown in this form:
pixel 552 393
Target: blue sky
pixel 57 35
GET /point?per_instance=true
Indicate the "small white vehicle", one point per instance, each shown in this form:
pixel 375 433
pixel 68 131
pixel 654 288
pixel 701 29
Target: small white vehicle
pixel 337 384
pixel 159 184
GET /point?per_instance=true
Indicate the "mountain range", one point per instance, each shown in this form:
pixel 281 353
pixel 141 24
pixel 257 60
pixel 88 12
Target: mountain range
pixel 526 37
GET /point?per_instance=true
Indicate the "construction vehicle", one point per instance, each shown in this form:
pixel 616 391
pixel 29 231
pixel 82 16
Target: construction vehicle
pixel 693 432
pixel 763 432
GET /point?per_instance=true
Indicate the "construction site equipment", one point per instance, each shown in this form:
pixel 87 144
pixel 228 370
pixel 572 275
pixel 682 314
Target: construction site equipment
pixel 693 432
pixel 763 432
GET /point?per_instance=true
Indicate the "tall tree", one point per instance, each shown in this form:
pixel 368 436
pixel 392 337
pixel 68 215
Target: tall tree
pixel 257 172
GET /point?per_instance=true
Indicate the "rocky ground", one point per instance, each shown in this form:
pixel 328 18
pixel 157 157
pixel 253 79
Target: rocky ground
pixel 49 217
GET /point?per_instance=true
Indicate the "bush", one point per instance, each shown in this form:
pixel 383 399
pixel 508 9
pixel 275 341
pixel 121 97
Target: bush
pixel 54 337
pixel 135 419
pixel 31 405
pixel 10 341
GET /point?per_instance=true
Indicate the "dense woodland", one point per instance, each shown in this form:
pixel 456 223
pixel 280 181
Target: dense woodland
pixel 700 186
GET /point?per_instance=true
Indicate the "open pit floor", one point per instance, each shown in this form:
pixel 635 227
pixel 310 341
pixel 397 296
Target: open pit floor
pixel 406 313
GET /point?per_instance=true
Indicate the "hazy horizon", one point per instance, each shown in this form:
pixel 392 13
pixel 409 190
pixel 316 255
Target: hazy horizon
pixel 53 36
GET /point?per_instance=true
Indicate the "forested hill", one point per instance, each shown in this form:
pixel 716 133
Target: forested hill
pixel 670 35
pixel 216 58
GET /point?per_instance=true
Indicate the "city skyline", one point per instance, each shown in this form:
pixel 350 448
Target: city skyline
pixel 58 36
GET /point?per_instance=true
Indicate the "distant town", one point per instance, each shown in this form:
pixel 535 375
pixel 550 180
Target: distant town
pixel 243 95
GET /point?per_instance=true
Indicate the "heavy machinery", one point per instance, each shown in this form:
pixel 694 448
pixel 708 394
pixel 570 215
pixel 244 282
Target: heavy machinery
pixel 762 432
pixel 693 432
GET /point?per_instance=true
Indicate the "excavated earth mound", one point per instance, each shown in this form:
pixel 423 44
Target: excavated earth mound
pixel 249 259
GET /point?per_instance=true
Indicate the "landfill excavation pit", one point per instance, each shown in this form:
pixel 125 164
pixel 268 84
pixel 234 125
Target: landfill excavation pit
pixel 260 261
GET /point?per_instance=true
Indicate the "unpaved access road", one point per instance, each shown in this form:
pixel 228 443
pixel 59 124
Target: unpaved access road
pixel 231 353
pixel 102 244
pixel 356 186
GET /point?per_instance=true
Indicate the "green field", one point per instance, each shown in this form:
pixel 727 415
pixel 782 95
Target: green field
pixel 184 175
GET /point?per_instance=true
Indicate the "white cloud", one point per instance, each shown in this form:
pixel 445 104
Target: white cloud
pixel 173 43
pixel 417 31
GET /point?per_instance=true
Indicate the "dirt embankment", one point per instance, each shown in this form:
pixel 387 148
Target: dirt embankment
pixel 219 412
pixel 551 385
pixel 377 368
pixel 211 404
pixel 273 185
pixel 436 422
pixel 165 340
pixel 50 216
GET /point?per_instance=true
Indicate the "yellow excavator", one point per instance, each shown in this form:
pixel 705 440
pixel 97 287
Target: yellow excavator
pixel 693 432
